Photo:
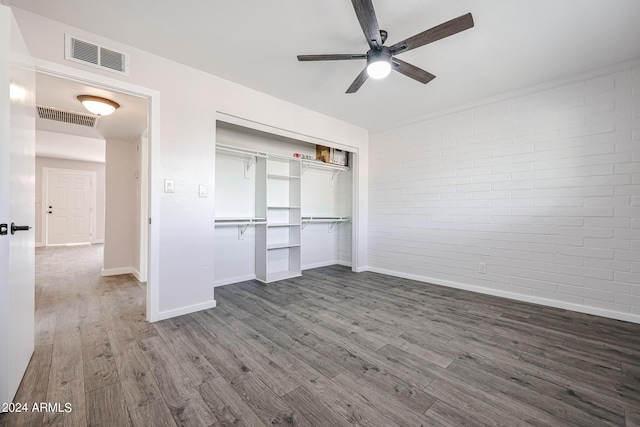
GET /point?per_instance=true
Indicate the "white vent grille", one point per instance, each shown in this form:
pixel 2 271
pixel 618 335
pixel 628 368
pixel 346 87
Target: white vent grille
pixel 97 56
pixel 83 51
pixel 50 113
pixel 112 59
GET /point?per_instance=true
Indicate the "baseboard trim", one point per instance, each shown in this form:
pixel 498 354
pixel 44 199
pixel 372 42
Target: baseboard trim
pixel 627 317
pixel 345 263
pixel 186 310
pixel 319 264
pixel 97 241
pixel 232 280
pixel 117 271
pixel 137 275
pixel 39 245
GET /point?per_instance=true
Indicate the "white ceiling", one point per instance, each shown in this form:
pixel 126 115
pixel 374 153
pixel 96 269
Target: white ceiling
pixel 514 44
pixel 126 123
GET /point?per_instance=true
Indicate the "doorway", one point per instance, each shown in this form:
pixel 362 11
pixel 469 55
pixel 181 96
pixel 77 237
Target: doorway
pixel 129 157
pixel 70 206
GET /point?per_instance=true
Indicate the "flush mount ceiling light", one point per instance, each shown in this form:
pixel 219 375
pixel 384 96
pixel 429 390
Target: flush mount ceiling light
pixel 97 105
pixel 379 63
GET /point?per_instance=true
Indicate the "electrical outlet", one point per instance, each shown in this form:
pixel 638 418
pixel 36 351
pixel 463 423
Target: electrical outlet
pixel 482 267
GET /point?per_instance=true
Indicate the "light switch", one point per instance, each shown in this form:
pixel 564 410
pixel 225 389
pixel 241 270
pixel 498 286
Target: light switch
pixel 168 186
pixel 203 190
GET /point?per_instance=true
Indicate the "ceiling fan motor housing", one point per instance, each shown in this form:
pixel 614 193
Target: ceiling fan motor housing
pixel 377 55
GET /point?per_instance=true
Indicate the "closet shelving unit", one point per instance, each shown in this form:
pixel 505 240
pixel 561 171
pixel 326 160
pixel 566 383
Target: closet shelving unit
pixel 277 216
pixel 278 241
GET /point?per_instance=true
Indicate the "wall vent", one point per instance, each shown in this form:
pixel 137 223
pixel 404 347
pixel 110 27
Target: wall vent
pixel 94 55
pixel 64 116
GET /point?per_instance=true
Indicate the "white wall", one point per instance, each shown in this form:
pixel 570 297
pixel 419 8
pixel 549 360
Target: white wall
pixel 322 243
pixel 70 147
pixel 120 221
pixel 186 153
pixel 99 188
pixel 543 188
pixel 139 216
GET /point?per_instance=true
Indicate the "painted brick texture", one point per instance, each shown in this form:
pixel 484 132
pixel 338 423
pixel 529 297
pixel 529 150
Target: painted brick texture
pixel 543 188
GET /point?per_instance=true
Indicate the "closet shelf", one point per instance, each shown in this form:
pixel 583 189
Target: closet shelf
pixel 239 151
pixel 317 164
pixel 276 176
pixel 282 225
pixel 240 221
pixel 283 207
pixel 282 246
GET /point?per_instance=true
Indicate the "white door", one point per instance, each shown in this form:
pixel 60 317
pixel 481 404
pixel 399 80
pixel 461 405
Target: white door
pixel 17 205
pixel 68 206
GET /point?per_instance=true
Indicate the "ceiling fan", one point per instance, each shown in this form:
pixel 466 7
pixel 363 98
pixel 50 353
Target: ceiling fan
pixel 382 59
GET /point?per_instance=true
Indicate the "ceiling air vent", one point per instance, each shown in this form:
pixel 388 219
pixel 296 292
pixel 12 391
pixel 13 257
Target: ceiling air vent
pixel 50 113
pixel 91 54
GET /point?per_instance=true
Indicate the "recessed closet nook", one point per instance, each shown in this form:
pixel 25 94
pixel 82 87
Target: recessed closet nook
pixel 276 214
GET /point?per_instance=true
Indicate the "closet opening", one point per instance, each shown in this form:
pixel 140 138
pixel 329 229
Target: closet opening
pixel 282 205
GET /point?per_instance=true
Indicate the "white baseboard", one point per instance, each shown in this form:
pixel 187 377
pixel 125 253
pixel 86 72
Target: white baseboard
pixel 627 317
pixel 231 280
pixel 39 245
pixel 97 241
pixel 345 263
pixel 117 271
pixel 319 264
pixel 137 275
pixel 186 310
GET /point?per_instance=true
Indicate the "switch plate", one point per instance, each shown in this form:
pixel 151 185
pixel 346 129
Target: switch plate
pixel 168 186
pixel 203 190
pixel 482 267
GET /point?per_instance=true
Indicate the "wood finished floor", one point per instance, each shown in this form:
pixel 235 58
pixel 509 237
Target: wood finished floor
pixel 331 348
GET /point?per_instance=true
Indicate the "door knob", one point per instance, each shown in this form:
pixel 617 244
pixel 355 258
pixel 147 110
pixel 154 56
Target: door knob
pixel 15 228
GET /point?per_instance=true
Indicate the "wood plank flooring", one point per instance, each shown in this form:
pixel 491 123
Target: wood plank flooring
pixel 332 348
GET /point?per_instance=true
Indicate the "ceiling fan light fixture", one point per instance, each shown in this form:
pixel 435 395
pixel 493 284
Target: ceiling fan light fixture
pixel 379 63
pixel 379 69
pixel 98 105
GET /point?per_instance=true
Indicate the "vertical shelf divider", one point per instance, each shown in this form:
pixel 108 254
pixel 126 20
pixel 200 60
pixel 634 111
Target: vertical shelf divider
pixel 278 241
pixel 261 211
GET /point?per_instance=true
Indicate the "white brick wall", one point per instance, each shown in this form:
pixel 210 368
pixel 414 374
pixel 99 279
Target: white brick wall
pixel 544 188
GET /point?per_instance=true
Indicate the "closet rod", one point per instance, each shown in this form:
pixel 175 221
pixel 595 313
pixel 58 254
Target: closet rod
pixel 325 218
pixel 229 149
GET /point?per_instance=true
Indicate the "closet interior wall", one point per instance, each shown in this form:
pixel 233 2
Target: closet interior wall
pixel 240 192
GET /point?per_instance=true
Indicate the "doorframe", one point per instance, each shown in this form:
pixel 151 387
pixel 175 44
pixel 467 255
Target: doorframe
pixel 45 198
pixel 151 174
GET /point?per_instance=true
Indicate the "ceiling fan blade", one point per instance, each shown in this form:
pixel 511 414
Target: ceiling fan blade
pixel 441 31
pixel 358 82
pixel 412 71
pixel 368 21
pixel 335 57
